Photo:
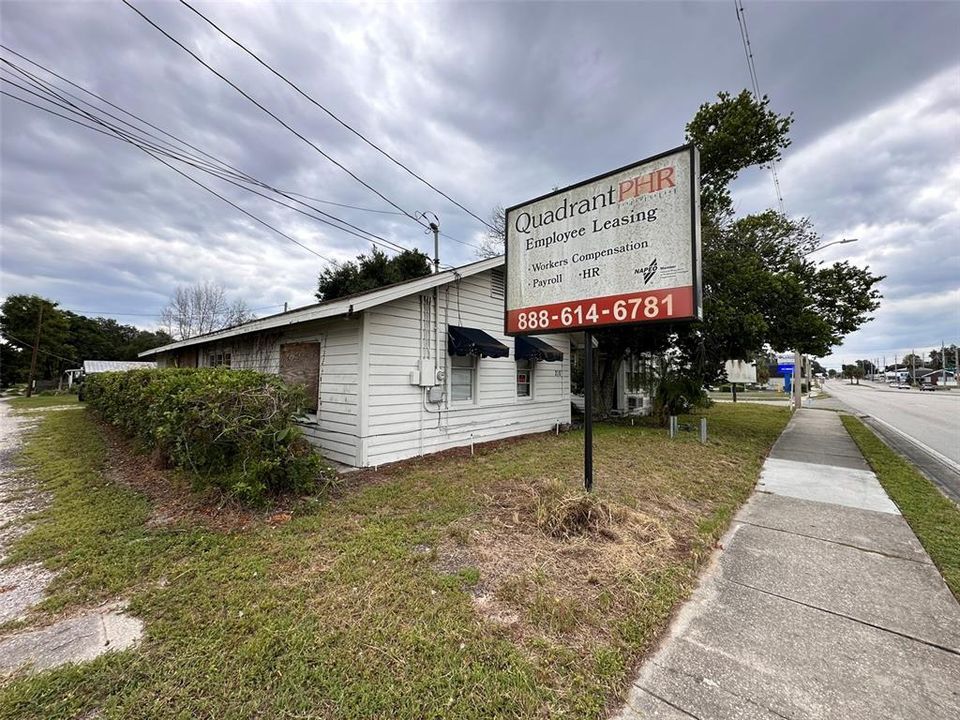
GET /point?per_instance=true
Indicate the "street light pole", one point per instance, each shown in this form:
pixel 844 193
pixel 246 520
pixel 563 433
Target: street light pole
pixel 797 370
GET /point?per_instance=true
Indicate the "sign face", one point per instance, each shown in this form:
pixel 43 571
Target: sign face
pixel 741 372
pixel 619 249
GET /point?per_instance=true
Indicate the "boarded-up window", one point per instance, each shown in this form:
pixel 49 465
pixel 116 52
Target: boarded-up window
pixel 300 365
pixel 187 359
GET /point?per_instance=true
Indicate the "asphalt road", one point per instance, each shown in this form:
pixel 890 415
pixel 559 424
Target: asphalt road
pixel 929 420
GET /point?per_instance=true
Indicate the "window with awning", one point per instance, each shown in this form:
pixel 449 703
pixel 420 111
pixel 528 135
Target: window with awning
pixel 462 341
pixel 531 348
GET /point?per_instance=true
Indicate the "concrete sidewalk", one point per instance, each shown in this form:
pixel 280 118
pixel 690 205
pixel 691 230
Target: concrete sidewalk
pixel 822 604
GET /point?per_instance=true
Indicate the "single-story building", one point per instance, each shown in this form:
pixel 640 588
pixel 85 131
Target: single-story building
pixel 936 377
pixel 404 370
pixel 92 367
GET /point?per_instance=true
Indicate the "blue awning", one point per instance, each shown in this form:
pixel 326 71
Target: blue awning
pixel 531 348
pixel 471 341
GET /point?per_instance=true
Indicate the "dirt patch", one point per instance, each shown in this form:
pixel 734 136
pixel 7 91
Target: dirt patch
pixel 22 587
pixel 547 554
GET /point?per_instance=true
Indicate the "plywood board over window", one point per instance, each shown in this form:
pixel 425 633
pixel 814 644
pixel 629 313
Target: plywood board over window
pixel 300 365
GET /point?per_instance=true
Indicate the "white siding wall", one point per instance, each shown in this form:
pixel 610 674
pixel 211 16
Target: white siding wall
pixel 335 427
pixel 398 425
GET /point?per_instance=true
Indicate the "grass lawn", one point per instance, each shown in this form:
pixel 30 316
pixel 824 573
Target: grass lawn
pixel 934 519
pixel 41 401
pixel 449 587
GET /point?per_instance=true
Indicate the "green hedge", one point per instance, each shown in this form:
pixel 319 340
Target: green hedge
pixel 230 428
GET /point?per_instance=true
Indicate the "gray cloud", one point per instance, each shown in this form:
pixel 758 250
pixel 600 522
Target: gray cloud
pixel 494 103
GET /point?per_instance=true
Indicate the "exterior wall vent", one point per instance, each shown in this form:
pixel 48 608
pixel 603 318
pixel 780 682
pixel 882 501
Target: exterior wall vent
pixel 496 283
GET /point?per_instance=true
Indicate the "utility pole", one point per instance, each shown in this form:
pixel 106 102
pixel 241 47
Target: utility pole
pixel 36 348
pixel 943 366
pixel 796 380
pixel 913 367
pixel 436 246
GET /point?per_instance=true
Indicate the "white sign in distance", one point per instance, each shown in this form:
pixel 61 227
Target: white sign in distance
pixel 619 249
pixel 739 371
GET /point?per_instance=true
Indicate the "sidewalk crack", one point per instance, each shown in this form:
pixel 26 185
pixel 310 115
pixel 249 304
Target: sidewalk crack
pixel 836 542
pixel 719 687
pixel 666 702
pixel 906 636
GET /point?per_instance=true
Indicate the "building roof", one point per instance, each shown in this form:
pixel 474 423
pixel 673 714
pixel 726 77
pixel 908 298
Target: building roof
pixel 98 366
pixel 928 372
pixel 338 307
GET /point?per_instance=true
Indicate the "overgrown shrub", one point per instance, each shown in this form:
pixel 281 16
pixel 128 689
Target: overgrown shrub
pixel 678 395
pixel 230 428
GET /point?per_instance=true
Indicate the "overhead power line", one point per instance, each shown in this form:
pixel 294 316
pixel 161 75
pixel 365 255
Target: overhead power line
pixel 150 150
pixel 269 112
pixel 234 173
pixel 157 314
pixel 220 169
pixel 755 83
pixel 29 346
pixel 194 181
pixel 208 163
pixel 329 112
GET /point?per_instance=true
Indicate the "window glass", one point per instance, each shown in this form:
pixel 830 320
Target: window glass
pixel 219 359
pixel 462 371
pixel 524 377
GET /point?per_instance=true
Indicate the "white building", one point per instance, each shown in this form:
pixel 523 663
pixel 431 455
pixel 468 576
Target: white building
pixel 401 371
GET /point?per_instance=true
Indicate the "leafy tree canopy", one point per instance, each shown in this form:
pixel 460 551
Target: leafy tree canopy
pixel 66 339
pixel 759 289
pixel 370 272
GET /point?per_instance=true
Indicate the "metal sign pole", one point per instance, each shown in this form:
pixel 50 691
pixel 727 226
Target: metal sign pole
pixel 588 412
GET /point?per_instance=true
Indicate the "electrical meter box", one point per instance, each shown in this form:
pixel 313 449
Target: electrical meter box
pixel 428 372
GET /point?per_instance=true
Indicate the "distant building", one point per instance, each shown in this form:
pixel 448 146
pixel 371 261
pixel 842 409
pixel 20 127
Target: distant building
pixel 937 377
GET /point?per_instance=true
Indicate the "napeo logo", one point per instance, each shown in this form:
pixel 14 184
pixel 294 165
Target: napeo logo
pixel 648 272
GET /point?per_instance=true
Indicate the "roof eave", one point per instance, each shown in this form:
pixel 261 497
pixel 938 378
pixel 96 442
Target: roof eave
pixel 345 307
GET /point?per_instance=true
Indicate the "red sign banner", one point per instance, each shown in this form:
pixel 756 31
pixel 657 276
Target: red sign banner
pixel 625 309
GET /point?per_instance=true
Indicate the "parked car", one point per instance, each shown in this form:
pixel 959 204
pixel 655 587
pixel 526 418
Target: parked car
pixel 902 386
pixel 928 386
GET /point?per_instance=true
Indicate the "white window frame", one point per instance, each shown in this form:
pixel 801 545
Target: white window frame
pixel 474 369
pixel 529 368
pixel 218 358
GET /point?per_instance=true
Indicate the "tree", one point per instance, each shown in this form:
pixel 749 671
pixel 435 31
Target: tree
pixel 66 339
pixel 910 359
pixel 734 133
pixel 937 360
pixel 758 288
pixel 18 326
pixel 370 272
pixel 854 372
pixel 202 308
pixel 495 242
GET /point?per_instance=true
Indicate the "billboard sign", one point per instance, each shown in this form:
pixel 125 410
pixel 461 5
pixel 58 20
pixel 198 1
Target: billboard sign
pixel 622 248
pixel 739 371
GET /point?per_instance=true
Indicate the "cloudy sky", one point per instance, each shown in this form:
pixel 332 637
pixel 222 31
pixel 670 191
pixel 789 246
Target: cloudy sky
pixel 493 104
